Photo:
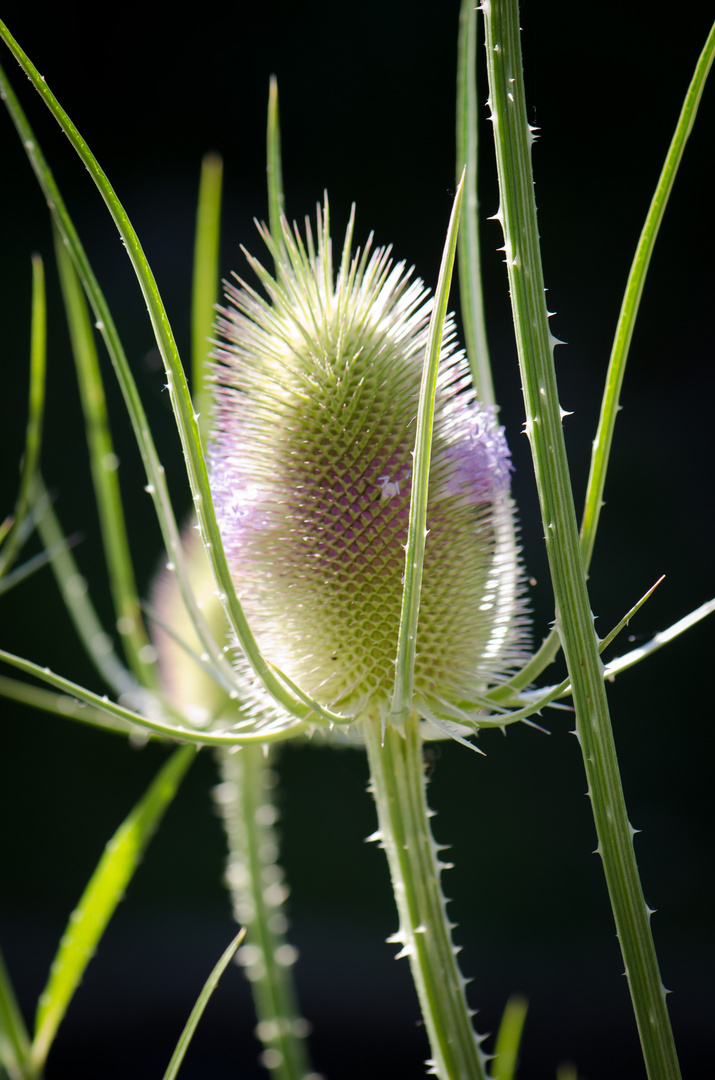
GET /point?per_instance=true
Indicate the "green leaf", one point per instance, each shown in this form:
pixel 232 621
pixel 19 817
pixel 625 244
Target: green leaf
pixel 106 888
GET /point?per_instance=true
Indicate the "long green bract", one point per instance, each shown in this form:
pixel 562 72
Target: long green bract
pixel 81 610
pixel 632 299
pixel 274 170
pixel 186 418
pixel 35 412
pixel 103 462
pixel 621 345
pixel 156 487
pixel 70 708
pixel 205 281
pixel 173 731
pixel 201 1002
pixel 417 526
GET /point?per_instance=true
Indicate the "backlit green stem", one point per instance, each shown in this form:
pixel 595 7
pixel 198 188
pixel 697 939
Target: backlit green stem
pixel 398 786
pixel 574 620
pixel 257 889
pixel 469 260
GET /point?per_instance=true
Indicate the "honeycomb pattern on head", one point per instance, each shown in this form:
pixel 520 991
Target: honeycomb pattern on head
pixel 315 402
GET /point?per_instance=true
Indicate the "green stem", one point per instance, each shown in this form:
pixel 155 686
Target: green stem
pixel 398 786
pixel 258 892
pixel 469 261
pixel 574 620
pixel 621 346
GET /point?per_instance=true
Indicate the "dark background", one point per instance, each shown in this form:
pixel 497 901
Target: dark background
pixel 367 112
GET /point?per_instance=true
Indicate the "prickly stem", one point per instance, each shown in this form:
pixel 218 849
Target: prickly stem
pixel 258 892
pixel 398 787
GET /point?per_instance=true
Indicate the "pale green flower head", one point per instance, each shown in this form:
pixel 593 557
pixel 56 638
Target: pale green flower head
pixel 315 403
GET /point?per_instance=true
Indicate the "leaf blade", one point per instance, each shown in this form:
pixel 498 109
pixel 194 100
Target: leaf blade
pixel 100 899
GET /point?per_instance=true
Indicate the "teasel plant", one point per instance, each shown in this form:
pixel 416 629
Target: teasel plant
pixel 351 572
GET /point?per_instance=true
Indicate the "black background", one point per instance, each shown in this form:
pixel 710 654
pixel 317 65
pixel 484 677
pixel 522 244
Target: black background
pixel 367 113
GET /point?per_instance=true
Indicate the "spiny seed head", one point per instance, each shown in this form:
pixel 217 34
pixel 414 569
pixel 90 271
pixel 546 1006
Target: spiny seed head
pixel 315 403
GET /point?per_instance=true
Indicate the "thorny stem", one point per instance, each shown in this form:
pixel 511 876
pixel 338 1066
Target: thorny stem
pixel 574 620
pixel 398 786
pixel 258 892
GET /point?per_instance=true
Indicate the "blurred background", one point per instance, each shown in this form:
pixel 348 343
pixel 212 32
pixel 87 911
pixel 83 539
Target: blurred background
pixel 367 104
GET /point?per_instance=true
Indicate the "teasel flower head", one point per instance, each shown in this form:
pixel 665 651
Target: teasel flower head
pixel 315 403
